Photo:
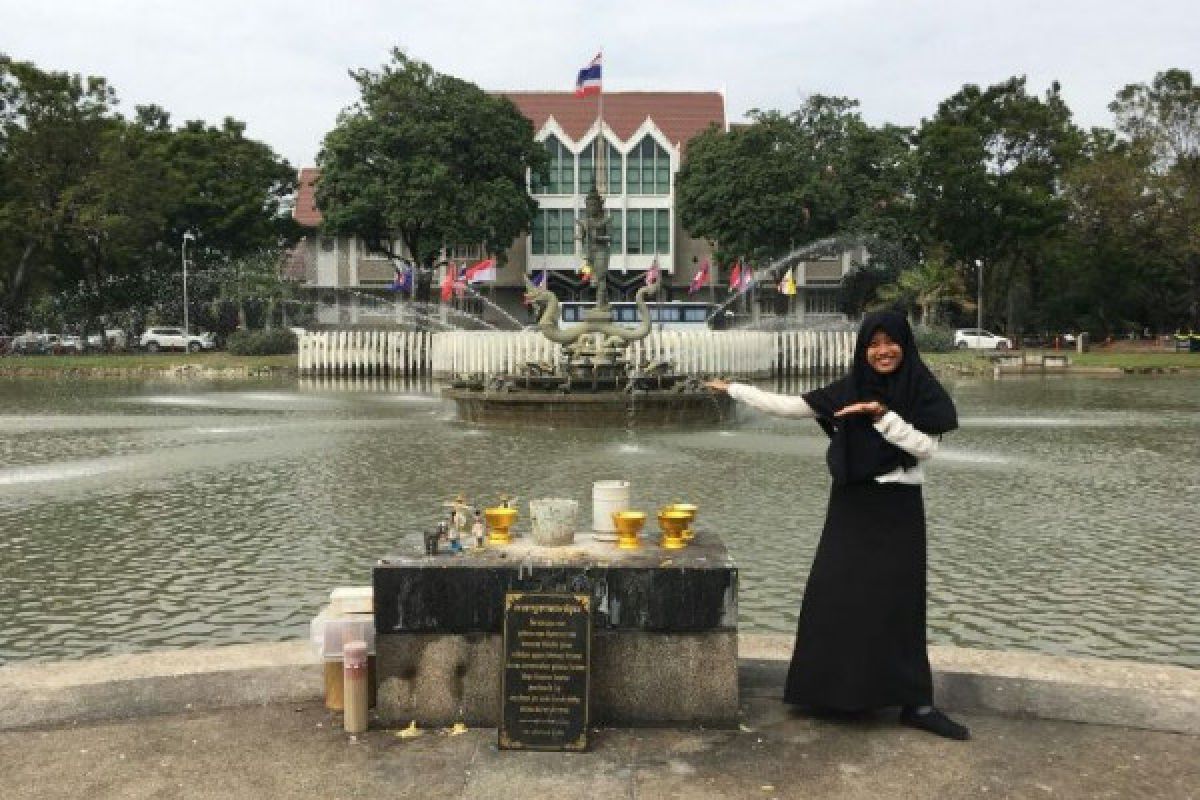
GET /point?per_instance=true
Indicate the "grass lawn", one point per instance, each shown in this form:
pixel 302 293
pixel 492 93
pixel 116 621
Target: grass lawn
pixel 1163 359
pixel 144 361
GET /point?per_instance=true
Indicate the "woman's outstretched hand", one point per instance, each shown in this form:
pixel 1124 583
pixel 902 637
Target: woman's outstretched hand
pixel 874 408
pixel 717 385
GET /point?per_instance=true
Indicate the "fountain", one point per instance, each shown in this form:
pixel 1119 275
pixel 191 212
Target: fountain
pixel 594 383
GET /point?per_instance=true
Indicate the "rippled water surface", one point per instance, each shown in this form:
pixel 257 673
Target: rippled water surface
pixel 1064 515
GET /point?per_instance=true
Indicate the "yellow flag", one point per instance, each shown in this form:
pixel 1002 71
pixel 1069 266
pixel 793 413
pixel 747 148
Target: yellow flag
pixel 787 286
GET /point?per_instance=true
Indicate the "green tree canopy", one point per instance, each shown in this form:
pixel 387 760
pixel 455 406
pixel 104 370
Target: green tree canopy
pixel 429 160
pixel 989 164
pixel 785 180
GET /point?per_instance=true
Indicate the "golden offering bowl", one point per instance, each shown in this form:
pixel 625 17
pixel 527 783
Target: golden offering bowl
pixel 629 525
pixel 499 520
pixel 690 509
pixel 673 524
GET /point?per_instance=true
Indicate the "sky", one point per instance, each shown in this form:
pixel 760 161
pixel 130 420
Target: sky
pixel 283 67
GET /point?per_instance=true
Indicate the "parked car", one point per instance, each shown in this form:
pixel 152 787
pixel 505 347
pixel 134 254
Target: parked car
pixel 978 339
pixel 68 344
pixel 155 339
pixel 30 343
pixel 111 339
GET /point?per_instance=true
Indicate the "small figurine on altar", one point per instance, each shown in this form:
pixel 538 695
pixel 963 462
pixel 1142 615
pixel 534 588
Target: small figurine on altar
pixel 477 528
pixel 459 521
pixel 453 542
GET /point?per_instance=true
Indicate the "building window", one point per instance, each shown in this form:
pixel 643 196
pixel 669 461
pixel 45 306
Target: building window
pixel 648 169
pixel 560 176
pixel 554 232
pixel 648 231
pixel 616 227
pixel 587 168
pixel 464 252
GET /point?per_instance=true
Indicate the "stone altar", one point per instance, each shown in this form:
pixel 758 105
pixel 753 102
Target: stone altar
pixel 664 647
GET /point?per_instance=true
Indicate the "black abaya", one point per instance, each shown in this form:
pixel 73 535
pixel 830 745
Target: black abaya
pixel 860 642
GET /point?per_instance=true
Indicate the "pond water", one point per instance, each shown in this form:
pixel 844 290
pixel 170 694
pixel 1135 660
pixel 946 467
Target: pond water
pixel 1064 515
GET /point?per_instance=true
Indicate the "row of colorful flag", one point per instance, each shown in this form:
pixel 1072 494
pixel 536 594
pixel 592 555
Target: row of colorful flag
pixel 458 277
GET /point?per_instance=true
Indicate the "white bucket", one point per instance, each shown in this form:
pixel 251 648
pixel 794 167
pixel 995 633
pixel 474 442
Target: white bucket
pixel 553 520
pixel 607 497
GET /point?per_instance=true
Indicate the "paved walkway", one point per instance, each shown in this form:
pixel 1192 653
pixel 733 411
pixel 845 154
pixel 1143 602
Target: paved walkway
pixel 285 751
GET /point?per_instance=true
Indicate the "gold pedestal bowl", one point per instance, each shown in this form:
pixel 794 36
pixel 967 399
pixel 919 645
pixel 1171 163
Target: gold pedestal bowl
pixel 690 509
pixel 629 525
pixel 499 520
pixel 673 524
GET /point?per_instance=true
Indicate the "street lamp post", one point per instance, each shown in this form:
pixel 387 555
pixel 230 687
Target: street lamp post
pixel 187 236
pixel 979 305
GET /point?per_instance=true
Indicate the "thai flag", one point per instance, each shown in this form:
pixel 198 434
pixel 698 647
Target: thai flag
pixel 735 277
pixel 541 280
pixel 588 81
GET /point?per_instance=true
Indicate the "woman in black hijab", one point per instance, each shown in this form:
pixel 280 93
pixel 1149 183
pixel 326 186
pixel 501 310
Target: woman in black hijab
pixel 860 643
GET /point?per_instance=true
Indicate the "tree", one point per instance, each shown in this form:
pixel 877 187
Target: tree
pixel 989 165
pixel 428 160
pixel 929 286
pixel 1162 120
pixel 785 180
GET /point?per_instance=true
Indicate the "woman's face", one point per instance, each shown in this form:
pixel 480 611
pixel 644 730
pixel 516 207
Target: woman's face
pixel 883 353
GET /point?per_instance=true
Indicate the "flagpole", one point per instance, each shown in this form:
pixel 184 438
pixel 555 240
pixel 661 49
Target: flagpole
pixel 602 177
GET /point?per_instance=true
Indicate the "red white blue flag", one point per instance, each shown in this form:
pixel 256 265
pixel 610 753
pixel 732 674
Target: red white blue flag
pixel 484 270
pixel 588 81
pixel 403 280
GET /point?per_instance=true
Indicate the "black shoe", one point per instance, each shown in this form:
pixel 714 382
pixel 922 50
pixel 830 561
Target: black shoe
pixel 936 722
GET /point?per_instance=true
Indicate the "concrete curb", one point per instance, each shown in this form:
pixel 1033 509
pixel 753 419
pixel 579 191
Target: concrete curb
pixel 1094 691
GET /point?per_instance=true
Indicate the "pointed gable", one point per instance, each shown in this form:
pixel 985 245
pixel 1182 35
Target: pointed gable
pixel 679 115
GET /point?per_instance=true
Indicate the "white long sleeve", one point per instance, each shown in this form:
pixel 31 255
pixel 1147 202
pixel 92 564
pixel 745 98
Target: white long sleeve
pixel 897 431
pixel 781 405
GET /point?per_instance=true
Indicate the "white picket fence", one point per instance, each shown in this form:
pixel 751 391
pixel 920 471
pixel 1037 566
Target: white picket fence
pixel 745 354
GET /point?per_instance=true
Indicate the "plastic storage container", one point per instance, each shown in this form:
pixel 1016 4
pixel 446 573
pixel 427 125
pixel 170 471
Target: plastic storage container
pixel 329 634
pixel 608 497
pixel 352 600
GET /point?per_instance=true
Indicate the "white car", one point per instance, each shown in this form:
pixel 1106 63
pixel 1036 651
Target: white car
pixel 978 339
pixel 155 339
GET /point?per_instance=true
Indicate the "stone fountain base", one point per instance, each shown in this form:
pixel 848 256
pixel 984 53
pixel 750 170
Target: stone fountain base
pixel 642 409
pixel 664 646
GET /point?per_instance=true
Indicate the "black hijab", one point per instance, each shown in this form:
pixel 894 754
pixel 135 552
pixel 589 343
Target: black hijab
pixel 857 452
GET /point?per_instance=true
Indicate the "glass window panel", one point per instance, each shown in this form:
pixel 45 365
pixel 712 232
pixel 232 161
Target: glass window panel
pixel 567 221
pixel 648 176
pixel 539 233
pixel 669 315
pixel 634 229
pixel 695 314
pixel 647 231
pixel 615 229
pixel 633 174
pixel 587 168
pixel 553 234
pixel 567 167
pixel 614 170
pixel 662 231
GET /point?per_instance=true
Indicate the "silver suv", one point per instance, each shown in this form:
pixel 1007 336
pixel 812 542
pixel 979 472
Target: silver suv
pixel 155 339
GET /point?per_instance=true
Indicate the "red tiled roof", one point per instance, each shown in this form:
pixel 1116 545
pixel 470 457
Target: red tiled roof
pixel 679 115
pixel 306 212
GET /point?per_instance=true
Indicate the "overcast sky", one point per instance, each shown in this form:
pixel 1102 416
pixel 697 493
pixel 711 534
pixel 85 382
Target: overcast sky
pixel 282 66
